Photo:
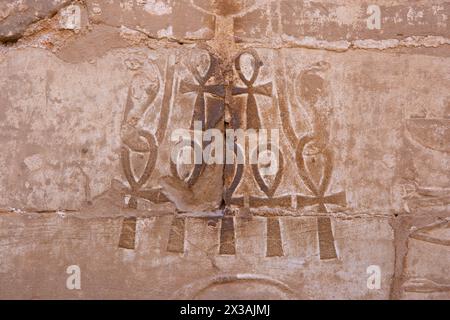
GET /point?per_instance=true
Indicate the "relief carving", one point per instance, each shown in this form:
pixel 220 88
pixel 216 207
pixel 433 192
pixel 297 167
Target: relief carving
pixel 313 153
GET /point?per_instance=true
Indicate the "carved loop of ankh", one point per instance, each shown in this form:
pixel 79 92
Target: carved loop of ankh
pixel 326 239
pixel 152 150
pixel 201 88
pixel 268 189
pixel 197 168
pixel 320 189
pixel 209 71
pixel 253 120
pixel 234 172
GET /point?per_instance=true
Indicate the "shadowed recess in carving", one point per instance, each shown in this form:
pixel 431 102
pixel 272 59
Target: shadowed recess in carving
pixel 437 233
pixel 128 233
pixel 326 239
pixel 176 235
pixel 198 288
pixel 233 174
pixel 274 243
pixel 227 239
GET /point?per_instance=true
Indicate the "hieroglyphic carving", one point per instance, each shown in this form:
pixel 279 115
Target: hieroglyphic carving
pixel 253 121
pixel 308 148
pixel 428 233
pixel 270 187
pixel 312 145
pixel 421 278
pixel 227 243
pixel 416 196
pixel 128 233
pixel 207 109
pixel 210 117
pixel 423 285
pixel 233 175
pixel 141 95
pixel 196 289
pixel 177 235
pixel 136 140
pixel 433 134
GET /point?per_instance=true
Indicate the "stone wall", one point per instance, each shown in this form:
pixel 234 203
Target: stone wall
pixel 91 93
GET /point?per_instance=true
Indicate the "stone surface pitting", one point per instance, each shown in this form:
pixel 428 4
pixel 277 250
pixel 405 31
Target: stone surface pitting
pixel 145 273
pixel 343 20
pixel 157 18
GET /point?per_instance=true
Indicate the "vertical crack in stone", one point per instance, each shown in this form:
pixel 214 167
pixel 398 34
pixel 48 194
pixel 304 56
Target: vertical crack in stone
pixel 274 243
pixel 128 233
pixel 177 235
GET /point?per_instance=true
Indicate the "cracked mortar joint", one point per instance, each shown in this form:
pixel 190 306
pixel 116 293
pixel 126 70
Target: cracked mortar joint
pixel 344 45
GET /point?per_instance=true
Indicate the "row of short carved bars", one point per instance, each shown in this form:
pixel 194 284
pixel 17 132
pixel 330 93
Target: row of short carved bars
pixel 227 245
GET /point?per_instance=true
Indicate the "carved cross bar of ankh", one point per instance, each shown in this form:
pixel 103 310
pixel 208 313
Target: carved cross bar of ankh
pixel 327 248
pixel 201 89
pixel 253 120
pixel 326 238
pixel 320 200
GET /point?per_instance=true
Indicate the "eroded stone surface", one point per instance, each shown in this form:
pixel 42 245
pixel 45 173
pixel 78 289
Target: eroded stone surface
pixel 57 158
pixel 17 15
pixel 425 277
pixel 152 270
pixel 157 18
pixel 335 21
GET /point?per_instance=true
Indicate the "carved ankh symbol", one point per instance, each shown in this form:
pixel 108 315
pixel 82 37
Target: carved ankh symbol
pixel 201 88
pixel 253 119
pixel 319 190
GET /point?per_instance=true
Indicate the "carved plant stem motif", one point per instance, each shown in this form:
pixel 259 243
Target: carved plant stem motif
pixel 141 142
pixel 310 149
